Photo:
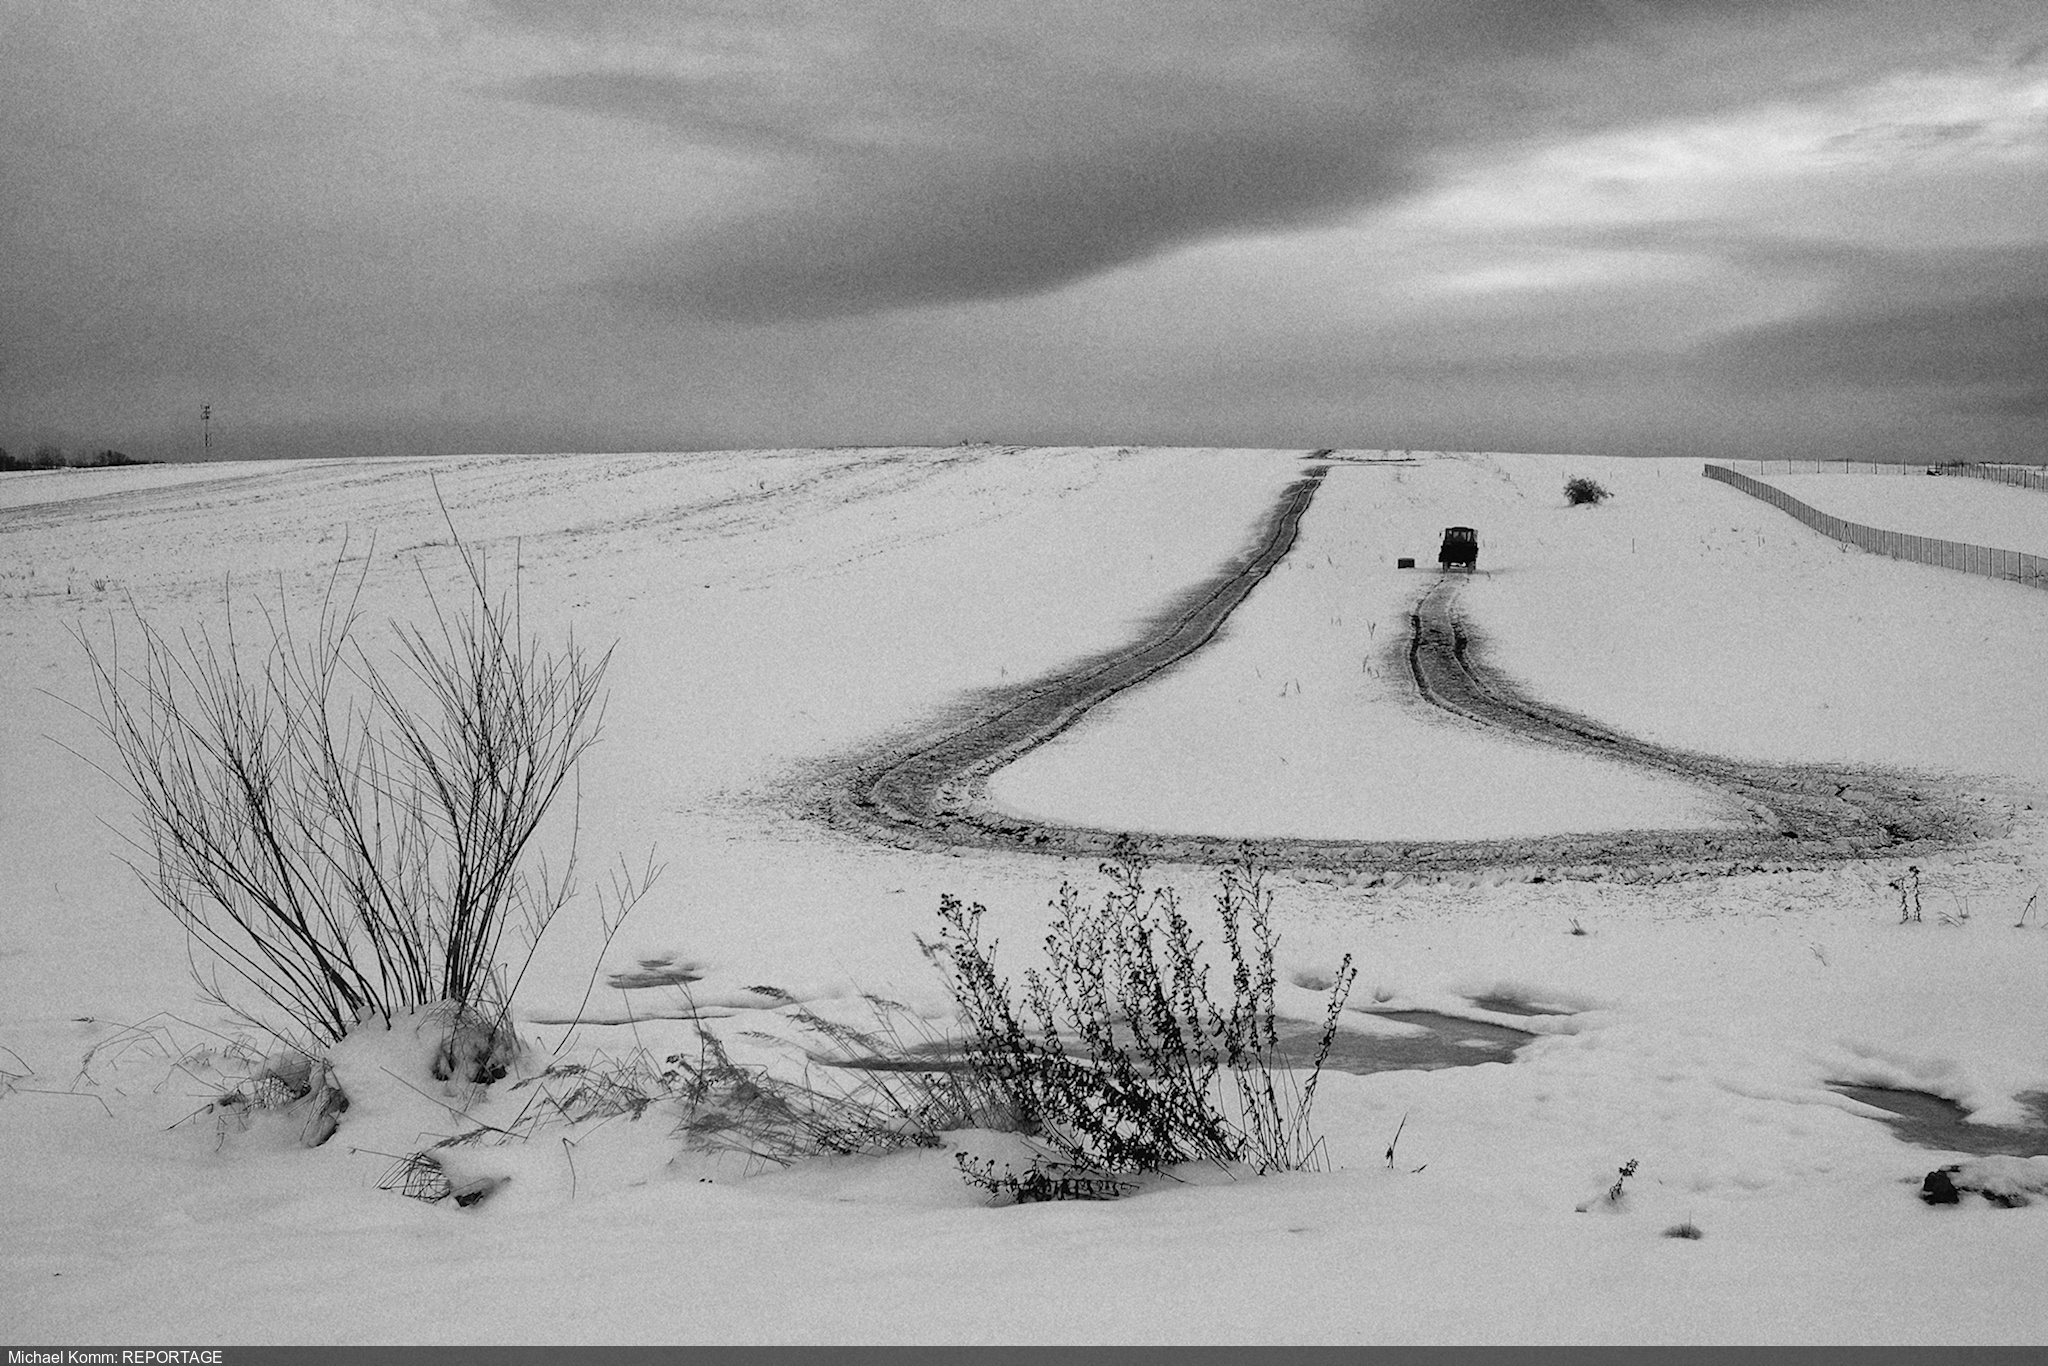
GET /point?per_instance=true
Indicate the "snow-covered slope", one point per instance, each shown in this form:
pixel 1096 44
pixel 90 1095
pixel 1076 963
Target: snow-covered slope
pixel 776 609
pixel 1956 508
pixel 1695 615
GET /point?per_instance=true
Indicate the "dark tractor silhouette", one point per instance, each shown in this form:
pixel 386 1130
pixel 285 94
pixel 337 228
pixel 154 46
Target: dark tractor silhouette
pixel 1460 547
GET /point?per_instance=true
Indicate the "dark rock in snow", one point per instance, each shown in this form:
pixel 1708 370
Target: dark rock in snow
pixel 1940 1188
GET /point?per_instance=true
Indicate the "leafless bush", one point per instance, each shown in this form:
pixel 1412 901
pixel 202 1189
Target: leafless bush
pixel 351 837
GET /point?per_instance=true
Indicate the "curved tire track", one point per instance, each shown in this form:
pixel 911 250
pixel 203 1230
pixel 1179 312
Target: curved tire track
pixel 1798 811
pixel 929 791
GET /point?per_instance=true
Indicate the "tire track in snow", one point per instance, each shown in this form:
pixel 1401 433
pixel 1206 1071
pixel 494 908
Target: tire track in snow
pixel 1803 812
pixel 930 791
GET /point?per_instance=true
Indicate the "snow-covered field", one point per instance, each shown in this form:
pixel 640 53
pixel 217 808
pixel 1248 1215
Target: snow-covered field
pixel 1955 508
pixel 774 610
pixel 1301 719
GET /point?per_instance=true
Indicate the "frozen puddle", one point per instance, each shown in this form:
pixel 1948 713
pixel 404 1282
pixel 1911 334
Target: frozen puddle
pixel 1508 1005
pixel 1417 1041
pixel 1430 1043
pixel 1929 1121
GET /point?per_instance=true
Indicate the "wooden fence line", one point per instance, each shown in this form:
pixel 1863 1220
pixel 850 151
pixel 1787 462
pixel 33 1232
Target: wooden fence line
pixel 1989 561
pixel 2023 476
pixel 1764 467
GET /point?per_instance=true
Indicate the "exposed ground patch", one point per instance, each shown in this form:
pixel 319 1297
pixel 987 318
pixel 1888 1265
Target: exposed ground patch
pixel 1929 1121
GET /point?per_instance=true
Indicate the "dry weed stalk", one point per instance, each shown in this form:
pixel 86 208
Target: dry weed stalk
pixel 1119 1056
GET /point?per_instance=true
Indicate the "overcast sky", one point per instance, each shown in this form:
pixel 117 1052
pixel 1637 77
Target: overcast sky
pixel 1614 226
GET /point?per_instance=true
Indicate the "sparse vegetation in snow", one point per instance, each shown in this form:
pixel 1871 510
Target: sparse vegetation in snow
pixel 1579 491
pixel 1119 1056
pixel 896 1082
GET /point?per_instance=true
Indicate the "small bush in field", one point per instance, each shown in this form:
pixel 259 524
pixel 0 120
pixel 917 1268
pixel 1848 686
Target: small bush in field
pixel 1115 1061
pixel 1118 1057
pixel 1580 491
pixel 351 836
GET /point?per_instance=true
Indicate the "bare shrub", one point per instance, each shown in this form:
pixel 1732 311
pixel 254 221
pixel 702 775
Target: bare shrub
pixel 1119 1057
pixel 349 837
pixel 1580 491
pixel 1117 1060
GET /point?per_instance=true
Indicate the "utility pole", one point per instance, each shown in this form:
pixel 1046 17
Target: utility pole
pixel 205 430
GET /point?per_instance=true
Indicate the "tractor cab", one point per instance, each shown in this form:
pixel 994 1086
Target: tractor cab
pixel 1460 547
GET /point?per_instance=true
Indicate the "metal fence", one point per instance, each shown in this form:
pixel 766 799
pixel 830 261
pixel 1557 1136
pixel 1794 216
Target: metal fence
pixel 1993 563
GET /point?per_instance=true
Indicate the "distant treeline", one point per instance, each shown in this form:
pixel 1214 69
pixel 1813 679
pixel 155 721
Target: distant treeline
pixel 47 457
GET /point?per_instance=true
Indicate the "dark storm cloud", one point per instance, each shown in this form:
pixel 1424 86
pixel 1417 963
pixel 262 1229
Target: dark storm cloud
pixel 504 222
pixel 939 157
pixel 1984 353
pixel 983 228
